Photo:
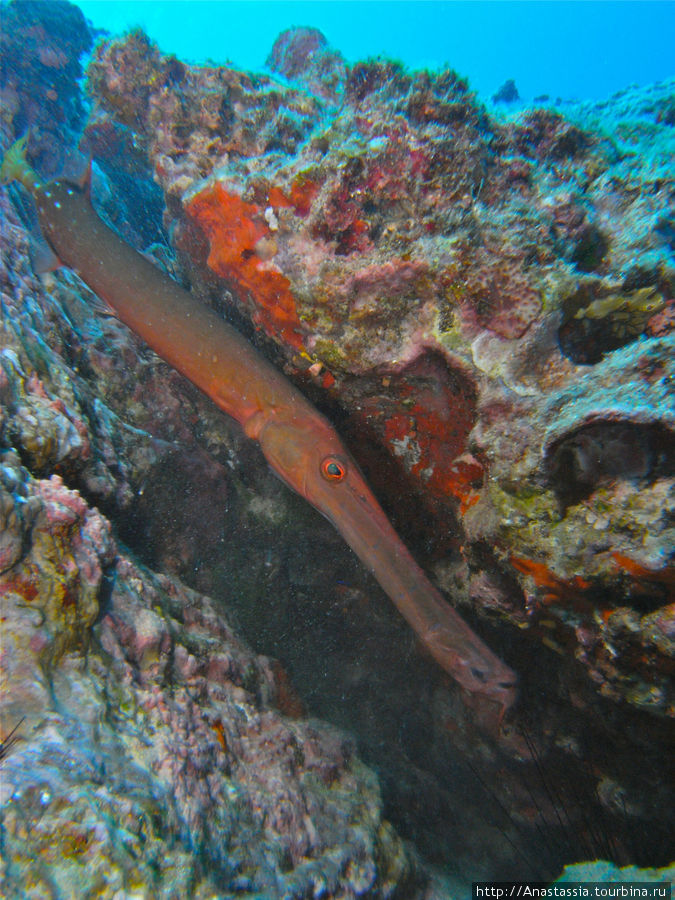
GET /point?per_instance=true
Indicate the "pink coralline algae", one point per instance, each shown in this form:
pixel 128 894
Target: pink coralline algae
pixel 481 300
pixel 304 54
pixel 499 294
pixel 204 769
pixel 129 685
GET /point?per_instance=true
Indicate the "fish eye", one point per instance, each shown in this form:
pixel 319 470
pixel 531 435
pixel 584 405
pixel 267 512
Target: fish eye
pixel 333 469
pixel 478 674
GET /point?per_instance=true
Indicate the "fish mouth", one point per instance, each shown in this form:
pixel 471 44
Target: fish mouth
pixel 356 514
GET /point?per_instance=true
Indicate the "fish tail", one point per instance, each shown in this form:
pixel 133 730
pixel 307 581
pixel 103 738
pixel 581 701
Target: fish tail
pixel 15 166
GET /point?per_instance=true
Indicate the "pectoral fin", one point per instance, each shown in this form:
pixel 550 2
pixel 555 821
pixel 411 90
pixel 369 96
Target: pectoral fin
pixel 42 257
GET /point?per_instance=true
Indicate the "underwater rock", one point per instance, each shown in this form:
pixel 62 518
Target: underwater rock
pixel 482 304
pixel 50 592
pixel 374 243
pixel 41 49
pixel 17 511
pixel 73 389
pixel 507 93
pixel 606 872
pixel 303 54
pixel 597 321
pixel 51 351
pixel 149 752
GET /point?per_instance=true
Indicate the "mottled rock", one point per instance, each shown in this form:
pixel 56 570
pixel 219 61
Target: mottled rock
pixel 375 245
pixel 484 306
pixel 149 754
pixel 41 48
pixel 608 873
pixel 304 54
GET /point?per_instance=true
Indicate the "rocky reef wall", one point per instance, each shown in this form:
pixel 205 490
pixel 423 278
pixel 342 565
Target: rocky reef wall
pixel 483 305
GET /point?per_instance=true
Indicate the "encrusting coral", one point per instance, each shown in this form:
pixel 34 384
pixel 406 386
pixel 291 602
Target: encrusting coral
pixel 482 301
pixel 430 237
pixel 129 784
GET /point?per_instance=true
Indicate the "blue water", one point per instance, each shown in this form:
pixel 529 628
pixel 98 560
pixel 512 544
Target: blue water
pixel 571 50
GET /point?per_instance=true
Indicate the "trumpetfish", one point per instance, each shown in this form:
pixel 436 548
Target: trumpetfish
pixel 298 442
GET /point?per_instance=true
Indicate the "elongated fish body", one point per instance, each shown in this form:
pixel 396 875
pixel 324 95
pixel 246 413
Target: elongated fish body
pixel 182 330
pixel 298 442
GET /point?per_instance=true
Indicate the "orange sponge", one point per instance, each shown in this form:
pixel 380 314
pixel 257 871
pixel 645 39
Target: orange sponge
pixel 236 231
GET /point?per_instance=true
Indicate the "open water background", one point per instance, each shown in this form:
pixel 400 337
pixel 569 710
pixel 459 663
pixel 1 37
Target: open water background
pixel 571 50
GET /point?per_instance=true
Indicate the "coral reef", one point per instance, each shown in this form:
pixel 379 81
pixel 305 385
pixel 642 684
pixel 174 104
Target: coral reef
pixel 507 93
pixel 150 754
pixel 607 872
pixel 143 747
pixel 303 54
pixel 41 45
pixel 483 304
pixel 401 231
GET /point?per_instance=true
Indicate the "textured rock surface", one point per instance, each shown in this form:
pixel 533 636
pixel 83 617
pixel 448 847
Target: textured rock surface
pixel 151 755
pixel 487 300
pixel 484 308
pixel 607 872
pixel 154 754
pixel 41 45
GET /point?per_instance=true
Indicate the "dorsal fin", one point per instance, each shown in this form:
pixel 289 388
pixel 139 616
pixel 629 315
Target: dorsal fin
pixel 84 181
